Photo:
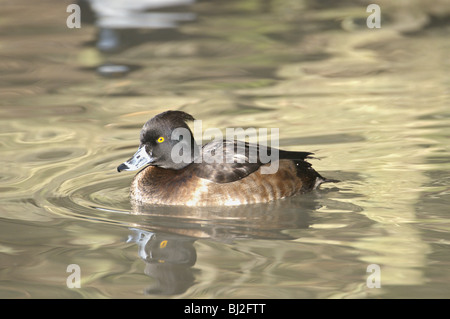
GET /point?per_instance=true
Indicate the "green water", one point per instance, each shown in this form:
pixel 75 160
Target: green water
pixel 373 104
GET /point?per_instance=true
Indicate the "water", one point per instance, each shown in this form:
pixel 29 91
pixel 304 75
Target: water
pixel 373 104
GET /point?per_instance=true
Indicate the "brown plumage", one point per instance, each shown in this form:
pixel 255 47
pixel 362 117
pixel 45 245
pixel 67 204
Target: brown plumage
pixel 194 183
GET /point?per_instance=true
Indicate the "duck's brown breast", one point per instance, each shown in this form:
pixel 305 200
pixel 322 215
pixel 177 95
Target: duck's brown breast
pixel 155 185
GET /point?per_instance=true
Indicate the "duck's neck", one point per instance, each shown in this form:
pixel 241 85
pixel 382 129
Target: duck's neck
pixel 188 153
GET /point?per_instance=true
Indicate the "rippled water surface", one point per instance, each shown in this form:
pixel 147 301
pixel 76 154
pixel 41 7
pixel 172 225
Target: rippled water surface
pixel 373 104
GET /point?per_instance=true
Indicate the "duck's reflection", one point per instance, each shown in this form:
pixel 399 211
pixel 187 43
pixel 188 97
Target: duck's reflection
pixel 166 235
pixel 169 259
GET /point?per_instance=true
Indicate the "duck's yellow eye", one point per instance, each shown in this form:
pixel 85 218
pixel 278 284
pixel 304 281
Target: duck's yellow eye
pixel 160 139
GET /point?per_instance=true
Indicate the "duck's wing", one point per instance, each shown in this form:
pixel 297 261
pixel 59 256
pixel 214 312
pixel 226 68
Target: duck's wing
pixel 228 161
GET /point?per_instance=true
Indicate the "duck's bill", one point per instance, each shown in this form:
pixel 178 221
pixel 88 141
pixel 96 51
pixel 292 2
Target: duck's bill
pixel 139 159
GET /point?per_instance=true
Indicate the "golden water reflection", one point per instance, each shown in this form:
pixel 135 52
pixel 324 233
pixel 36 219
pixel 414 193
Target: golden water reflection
pixel 371 103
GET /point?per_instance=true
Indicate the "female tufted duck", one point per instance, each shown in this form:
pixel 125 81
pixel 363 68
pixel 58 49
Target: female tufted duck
pixel 179 172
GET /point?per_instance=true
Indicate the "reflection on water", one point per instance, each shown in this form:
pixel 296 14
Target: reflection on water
pixel 169 260
pixel 372 105
pixel 122 24
pixel 166 235
pixel 227 223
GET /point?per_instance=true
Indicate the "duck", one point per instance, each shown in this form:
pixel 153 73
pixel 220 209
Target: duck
pixel 175 170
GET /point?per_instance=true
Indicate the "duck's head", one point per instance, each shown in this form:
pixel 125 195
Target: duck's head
pixel 165 141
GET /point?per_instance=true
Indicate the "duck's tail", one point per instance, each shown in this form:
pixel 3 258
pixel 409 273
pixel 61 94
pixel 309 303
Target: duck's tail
pixel 322 180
